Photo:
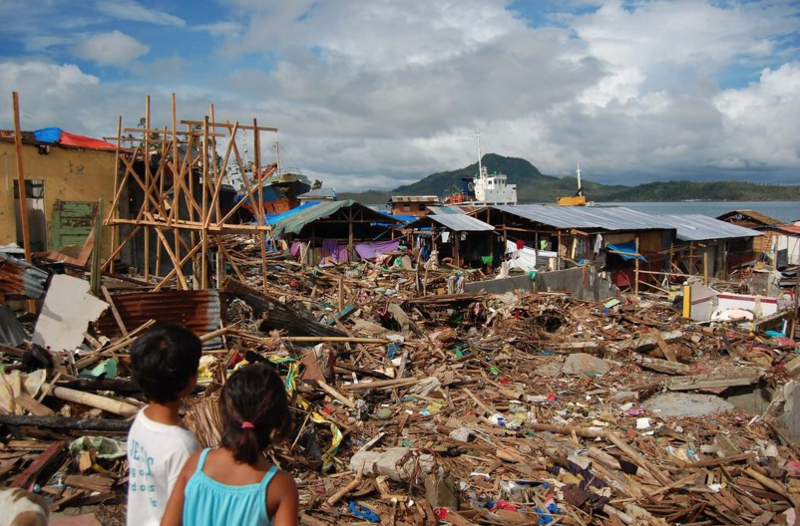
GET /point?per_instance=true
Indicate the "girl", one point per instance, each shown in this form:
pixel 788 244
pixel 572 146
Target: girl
pixel 235 485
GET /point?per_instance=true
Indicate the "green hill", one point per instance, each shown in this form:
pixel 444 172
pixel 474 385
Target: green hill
pixel 535 187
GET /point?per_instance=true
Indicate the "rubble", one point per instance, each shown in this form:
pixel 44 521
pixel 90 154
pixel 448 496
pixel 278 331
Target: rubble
pixel 419 406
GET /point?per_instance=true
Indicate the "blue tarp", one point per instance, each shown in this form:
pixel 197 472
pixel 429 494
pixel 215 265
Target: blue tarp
pixel 628 248
pixel 271 219
pixel 48 135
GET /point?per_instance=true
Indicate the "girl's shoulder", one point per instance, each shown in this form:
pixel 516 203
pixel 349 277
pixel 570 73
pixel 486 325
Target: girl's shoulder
pixel 282 490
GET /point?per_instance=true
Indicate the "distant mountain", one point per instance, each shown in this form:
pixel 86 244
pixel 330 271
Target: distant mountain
pixel 535 187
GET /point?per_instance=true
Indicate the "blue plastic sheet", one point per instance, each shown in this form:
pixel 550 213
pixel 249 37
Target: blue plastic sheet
pixel 629 250
pixel 48 135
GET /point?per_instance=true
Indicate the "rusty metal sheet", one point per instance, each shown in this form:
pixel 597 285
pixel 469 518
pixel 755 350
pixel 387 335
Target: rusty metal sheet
pixel 19 279
pixel 11 331
pixel 198 310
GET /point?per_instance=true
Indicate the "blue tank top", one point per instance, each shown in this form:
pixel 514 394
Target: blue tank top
pixel 211 503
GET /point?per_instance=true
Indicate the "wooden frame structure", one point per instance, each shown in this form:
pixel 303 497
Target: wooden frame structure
pixel 160 211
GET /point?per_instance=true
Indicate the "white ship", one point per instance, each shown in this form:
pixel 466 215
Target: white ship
pixel 485 188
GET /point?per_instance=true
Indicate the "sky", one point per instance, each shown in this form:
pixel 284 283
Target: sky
pixel 379 93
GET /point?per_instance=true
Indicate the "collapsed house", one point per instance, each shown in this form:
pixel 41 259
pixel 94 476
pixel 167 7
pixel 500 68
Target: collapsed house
pixel 779 244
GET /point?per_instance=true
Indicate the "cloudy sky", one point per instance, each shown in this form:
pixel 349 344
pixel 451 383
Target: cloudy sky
pixel 376 93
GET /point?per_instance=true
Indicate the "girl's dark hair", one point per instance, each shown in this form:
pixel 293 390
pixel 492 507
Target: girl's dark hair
pixel 254 394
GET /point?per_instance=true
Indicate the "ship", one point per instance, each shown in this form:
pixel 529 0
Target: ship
pixel 484 188
pixel 280 192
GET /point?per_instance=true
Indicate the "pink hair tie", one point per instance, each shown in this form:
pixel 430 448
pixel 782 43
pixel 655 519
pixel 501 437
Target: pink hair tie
pixel 248 425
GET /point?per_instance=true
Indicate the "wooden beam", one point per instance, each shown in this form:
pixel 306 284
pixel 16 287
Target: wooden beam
pixel 23 191
pixel 228 125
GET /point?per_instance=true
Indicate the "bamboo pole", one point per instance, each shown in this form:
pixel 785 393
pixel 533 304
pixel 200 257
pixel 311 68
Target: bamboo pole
pixel 204 233
pixel 636 272
pixel 23 190
pixel 705 267
pixel 262 239
pixel 113 212
pixel 92 400
pixel 177 177
pixel 147 188
pixel 215 169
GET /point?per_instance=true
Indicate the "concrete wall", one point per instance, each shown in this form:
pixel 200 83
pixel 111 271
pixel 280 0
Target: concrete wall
pixel 69 175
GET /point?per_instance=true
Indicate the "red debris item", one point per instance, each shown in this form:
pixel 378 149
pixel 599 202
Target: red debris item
pixel 551 397
pixel 440 513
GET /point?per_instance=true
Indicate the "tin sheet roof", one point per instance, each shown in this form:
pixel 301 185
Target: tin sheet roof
pixel 611 218
pixel 697 227
pixel 295 222
pixel 454 222
pixel 18 278
pixel 198 310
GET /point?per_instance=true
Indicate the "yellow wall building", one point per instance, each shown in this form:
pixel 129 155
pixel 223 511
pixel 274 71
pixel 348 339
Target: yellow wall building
pixel 65 185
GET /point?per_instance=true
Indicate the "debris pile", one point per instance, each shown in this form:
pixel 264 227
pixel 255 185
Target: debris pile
pixel 414 402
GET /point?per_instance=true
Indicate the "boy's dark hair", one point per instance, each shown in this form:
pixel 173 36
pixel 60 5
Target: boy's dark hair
pixel 164 360
pixel 256 397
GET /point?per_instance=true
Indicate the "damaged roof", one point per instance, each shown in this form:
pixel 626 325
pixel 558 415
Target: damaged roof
pixel 697 227
pixel 198 310
pixel 294 223
pixel 610 218
pixel 18 278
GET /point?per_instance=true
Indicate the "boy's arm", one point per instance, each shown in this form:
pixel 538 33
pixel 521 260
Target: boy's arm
pixel 173 515
pixel 282 497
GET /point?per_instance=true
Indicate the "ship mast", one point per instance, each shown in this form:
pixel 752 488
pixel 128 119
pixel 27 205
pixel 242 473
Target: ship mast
pixel 578 174
pixel 480 162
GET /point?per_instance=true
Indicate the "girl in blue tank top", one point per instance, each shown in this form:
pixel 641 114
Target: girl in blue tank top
pixel 235 485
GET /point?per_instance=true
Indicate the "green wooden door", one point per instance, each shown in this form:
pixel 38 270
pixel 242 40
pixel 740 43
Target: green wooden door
pixel 72 223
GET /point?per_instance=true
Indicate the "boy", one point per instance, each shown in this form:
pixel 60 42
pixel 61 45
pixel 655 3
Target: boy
pixel 164 362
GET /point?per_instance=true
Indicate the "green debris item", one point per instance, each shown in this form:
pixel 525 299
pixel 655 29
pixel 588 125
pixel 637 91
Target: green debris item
pixel 459 353
pixel 487 260
pixel 613 302
pixel 105 448
pixel 106 369
pixel 494 370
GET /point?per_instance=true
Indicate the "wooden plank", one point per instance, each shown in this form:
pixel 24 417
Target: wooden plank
pixel 27 477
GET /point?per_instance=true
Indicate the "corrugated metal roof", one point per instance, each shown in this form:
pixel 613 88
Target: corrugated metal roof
pixel 697 227
pixel 20 278
pixel 198 310
pixel 11 331
pixel 790 229
pixel 446 209
pixel 319 193
pixel 414 199
pixel 610 218
pixel 454 222
pixel 295 223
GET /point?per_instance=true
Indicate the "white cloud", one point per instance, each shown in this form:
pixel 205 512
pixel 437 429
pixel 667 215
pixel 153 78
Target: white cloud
pixel 113 48
pixel 134 11
pixel 225 29
pixel 762 121
pixel 376 93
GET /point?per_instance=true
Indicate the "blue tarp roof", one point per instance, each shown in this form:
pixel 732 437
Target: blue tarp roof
pixel 628 248
pixel 401 217
pixel 48 134
pixel 272 219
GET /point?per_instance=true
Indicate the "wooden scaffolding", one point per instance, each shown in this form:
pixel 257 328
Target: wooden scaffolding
pixel 181 153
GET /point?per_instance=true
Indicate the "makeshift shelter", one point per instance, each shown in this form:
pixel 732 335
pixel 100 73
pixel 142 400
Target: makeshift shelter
pixel 331 228
pixel 709 245
pixel 465 235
